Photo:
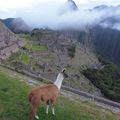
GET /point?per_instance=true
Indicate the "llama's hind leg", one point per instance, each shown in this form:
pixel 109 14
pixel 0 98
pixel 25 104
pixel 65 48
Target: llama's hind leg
pixel 33 112
pixel 47 109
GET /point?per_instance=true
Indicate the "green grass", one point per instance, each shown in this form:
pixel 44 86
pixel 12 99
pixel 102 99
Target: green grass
pixel 19 56
pixel 35 47
pixel 14 104
pixel 24 57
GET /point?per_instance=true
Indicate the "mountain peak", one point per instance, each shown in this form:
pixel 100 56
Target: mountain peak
pixel 72 5
pixel 68 6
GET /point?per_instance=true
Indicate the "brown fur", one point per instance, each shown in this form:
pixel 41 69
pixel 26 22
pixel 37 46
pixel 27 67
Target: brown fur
pixel 46 93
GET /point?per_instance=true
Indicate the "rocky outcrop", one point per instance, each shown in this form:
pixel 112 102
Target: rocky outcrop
pixel 9 42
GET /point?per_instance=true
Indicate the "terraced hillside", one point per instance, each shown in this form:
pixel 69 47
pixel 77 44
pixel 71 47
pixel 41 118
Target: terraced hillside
pixel 48 51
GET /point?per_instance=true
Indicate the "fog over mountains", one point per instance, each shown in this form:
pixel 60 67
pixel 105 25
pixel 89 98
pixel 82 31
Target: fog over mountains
pixel 69 15
pixel 111 16
pixel 16 25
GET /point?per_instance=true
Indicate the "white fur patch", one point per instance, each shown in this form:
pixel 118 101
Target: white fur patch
pixel 59 80
pixel 37 117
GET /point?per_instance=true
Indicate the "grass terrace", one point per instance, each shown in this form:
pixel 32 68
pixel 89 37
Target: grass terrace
pixel 32 44
pixel 35 47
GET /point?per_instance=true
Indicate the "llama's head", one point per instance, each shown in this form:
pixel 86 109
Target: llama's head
pixel 64 73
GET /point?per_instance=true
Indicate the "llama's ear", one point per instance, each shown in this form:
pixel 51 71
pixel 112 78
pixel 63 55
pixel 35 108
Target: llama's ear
pixel 64 73
pixel 63 70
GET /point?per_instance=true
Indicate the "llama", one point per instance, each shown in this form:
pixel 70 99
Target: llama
pixel 46 93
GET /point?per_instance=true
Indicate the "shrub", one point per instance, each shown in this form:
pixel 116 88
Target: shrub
pixel 71 51
pixel 107 80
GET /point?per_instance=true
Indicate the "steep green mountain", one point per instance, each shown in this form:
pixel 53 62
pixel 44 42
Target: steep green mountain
pixel 104 41
pixel 107 43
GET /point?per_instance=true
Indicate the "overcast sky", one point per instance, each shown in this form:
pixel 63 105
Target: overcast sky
pixel 7 4
pixel 11 8
pixel 26 3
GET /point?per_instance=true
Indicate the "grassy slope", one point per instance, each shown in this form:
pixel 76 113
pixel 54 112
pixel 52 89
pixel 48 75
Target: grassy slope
pixel 14 104
pixel 24 57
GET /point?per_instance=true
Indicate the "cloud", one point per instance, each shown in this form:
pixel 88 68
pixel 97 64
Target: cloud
pixel 5 12
pixel 46 14
pixel 8 4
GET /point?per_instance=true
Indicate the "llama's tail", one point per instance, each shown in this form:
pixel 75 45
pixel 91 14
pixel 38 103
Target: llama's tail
pixel 30 95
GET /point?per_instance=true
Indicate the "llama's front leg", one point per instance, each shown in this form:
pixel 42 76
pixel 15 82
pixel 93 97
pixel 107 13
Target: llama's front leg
pixel 47 109
pixel 53 111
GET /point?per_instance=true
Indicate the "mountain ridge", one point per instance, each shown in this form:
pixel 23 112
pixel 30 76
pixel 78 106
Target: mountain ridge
pixel 17 25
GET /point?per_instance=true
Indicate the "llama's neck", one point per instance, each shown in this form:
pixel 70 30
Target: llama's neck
pixel 59 80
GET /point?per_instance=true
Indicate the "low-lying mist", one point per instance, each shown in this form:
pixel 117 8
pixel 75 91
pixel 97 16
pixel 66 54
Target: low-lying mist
pixel 47 16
